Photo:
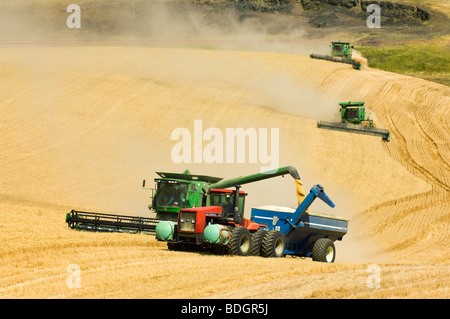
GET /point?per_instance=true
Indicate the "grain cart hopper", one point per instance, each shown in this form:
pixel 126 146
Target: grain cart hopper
pixel 173 192
pixel 340 52
pixel 299 232
pixel 220 224
pixel 355 118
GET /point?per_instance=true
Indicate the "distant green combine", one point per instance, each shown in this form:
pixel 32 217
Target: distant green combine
pixel 356 118
pixel 340 52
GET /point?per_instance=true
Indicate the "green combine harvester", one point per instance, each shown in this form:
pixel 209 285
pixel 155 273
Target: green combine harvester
pixel 355 118
pixel 173 192
pixel 340 52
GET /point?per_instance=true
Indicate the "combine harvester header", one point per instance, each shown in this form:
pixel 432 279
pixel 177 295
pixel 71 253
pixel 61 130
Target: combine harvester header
pixel 172 192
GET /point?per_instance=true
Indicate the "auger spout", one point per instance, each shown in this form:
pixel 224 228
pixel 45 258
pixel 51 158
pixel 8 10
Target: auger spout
pixel 255 177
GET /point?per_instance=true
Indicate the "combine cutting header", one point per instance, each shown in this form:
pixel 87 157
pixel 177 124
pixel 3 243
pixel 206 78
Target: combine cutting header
pixel 355 118
pixel 172 192
pixel 340 52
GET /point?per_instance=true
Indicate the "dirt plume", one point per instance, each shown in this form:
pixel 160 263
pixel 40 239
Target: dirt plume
pixel 358 57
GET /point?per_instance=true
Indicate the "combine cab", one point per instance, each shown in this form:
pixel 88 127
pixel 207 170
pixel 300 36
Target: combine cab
pixel 340 52
pixel 356 119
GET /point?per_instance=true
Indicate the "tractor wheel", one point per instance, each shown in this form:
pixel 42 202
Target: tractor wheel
pixel 257 242
pixel 273 244
pixel 240 242
pixel 324 251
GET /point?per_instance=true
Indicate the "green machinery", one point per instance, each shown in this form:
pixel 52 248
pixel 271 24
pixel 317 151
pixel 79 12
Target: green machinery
pixel 172 193
pixel 271 231
pixel 355 118
pixel 198 211
pixel 340 52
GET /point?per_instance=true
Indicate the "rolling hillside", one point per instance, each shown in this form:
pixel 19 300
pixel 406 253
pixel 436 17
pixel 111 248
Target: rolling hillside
pixel 82 126
pixel 87 114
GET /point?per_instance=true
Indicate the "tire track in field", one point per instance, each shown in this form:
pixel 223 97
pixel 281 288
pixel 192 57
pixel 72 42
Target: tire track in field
pixel 432 146
pixel 407 158
pixel 403 206
pixel 424 231
pixel 407 224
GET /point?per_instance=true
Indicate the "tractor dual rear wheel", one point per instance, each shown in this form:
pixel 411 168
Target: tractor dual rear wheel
pixel 273 244
pixel 257 238
pixel 240 242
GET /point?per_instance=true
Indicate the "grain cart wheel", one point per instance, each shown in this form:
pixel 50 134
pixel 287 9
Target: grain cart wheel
pixel 324 251
pixel 273 244
pixel 257 238
pixel 240 242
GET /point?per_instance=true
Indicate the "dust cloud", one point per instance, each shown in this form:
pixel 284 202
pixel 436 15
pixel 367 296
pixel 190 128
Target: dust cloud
pixel 182 24
pixel 189 25
pixel 358 57
pixel 158 23
pixel 234 80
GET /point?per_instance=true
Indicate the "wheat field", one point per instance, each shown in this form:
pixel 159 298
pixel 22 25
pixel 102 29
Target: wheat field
pixel 82 126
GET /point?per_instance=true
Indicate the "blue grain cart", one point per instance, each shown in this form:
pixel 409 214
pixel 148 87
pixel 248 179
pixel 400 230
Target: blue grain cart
pixel 299 232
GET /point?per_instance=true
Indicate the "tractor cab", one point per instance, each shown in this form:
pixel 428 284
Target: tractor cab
pixel 225 198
